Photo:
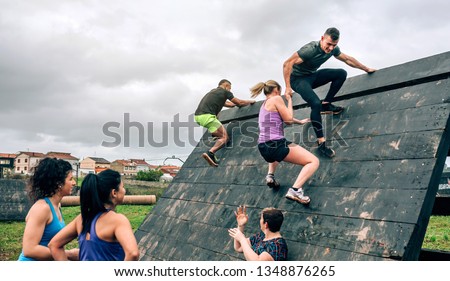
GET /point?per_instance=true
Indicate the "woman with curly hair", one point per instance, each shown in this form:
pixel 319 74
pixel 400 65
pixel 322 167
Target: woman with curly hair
pixel 51 181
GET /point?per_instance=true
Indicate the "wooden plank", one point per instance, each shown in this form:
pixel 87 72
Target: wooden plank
pixel 357 203
pixel 409 145
pixel 300 251
pixel 433 68
pixel 374 238
pixel 393 122
pixel 370 126
pixel 412 173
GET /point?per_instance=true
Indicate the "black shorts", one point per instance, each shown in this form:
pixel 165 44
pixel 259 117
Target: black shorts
pixel 274 150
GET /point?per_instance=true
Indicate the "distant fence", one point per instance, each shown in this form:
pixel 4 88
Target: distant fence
pixel 14 202
pixel 144 183
pixel 441 205
pixel 444 185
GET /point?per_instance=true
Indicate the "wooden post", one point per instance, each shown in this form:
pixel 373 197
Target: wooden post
pixel 128 200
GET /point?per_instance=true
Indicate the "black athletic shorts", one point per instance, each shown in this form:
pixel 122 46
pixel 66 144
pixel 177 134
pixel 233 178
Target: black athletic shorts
pixel 274 150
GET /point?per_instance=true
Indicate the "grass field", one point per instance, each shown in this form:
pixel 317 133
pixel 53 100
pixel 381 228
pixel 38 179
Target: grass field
pixel 438 234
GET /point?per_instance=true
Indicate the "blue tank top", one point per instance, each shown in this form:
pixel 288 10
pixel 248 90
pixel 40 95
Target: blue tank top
pixel 96 249
pixel 270 125
pixel 50 230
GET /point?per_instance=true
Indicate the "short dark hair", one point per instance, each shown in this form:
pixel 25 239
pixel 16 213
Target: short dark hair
pixel 274 218
pixel 333 33
pixel 224 81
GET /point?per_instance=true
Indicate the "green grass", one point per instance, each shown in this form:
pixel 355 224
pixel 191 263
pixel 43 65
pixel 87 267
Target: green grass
pixel 437 235
pixel 11 240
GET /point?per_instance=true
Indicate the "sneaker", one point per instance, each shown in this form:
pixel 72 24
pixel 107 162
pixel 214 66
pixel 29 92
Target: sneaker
pixel 271 182
pixel 326 151
pixel 329 108
pixel 211 158
pixel 298 196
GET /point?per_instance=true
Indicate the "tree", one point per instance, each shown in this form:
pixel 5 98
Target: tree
pixel 151 175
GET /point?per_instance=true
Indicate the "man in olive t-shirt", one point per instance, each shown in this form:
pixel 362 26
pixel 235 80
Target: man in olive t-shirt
pixel 206 116
pixel 301 74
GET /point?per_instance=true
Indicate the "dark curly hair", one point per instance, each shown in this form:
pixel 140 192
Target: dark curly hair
pixel 48 176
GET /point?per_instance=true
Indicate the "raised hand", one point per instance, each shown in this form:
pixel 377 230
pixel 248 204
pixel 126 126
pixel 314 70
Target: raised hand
pixel 236 234
pixel 302 121
pixel 241 215
pixel 288 91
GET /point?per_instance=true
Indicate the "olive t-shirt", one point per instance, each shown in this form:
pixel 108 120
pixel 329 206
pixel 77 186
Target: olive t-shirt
pixel 313 57
pixel 213 102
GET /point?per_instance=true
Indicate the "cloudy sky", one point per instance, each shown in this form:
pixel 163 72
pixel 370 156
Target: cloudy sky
pixel 70 69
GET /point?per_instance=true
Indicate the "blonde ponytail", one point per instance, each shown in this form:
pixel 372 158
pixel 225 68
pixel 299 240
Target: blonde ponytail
pixel 267 87
pixel 256 90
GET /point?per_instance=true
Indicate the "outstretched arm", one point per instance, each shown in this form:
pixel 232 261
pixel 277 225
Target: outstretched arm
pixel 246 248
pixel 229 104
pixel 351 61
pixel 241 243
pixel 241 103
pixel 301 121
pixel 286 112
pixel 241 219
pixel 287 69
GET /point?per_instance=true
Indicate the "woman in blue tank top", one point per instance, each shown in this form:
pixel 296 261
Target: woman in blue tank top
pixel 103 234
pixel 51 181
pixel 272 144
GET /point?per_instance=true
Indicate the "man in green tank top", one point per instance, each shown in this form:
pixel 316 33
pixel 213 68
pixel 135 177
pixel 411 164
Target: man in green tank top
pixel 206 116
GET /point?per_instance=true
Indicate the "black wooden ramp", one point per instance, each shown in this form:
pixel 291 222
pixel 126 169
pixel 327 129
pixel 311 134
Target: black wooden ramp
pixel 371 202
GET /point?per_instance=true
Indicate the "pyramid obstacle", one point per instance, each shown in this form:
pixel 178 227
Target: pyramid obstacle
pixel 371 202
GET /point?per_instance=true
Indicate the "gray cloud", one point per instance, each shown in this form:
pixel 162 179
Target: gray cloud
pixel 69 67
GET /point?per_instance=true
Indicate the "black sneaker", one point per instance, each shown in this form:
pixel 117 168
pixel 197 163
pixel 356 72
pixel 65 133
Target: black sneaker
pixel 329 108
pixel 326 151
pixel 271 182
pixel 211 158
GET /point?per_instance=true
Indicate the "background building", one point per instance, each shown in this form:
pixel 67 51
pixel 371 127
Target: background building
pixel 25 161
pixel 94 165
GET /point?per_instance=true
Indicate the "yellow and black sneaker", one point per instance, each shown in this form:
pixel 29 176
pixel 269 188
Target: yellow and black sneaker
pixel 211 158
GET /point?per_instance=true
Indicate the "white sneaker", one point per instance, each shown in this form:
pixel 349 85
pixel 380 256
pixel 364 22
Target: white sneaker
pixel 297 196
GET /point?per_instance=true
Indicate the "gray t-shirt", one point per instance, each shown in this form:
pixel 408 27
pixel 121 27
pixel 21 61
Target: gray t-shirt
pixel 313 57
pixel 213 102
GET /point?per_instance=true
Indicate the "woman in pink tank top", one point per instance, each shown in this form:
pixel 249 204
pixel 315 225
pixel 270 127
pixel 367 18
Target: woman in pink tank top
pixel 272 144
